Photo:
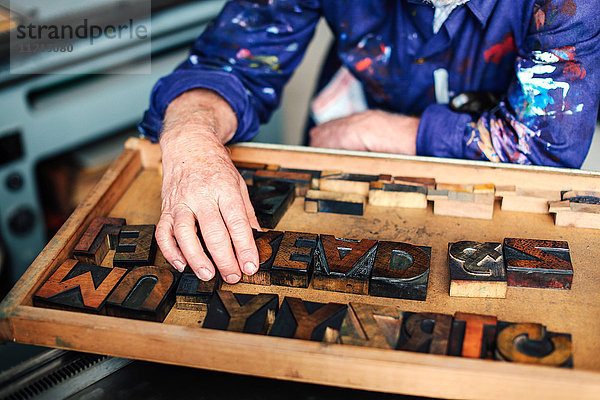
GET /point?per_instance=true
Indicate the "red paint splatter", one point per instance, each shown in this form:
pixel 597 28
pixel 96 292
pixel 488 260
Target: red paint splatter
pixel 243 53
pixel 569 8
pixel 540 19
pixel 574 70
pixel 498 51
pixel 363 64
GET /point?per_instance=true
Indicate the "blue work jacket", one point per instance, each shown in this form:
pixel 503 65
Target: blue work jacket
pixel 540 57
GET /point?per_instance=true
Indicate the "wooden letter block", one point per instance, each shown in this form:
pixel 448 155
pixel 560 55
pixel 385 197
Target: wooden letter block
pixel 425 333
pixel 371 326
pixel 476 269
pixel 307 320
pixel 463 204
pixel 101 235
pixel 146 292
pixel 532 344
pixel 397 195
pixel 581 196
pixel 579 212
pixel 241 312
pixel 78 286
pixel 293 263
pixel 195 294
pixel 400 270
pixel 346 183
pixel 301 181
pixel 343 265
pixel 137 246
pixel 334 202
pixel 538 263
pixel 529 200
pixel 267 244
pixel 473 335
pixel 270 200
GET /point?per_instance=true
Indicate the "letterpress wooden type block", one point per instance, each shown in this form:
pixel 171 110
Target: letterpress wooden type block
pixel 78 286
pixel 463 204
pixel 371 326
pixel 301 181
pixel 425 333
pixel 429 183
pixel 315 174
pixel 146 292
pixel 538 263
pixel 397 195
pixel 346 183
pixel 473 335
pixel 581 196
pixel 267 244
pixel 137 246
pixel 526 199
pixel 532 344
pixel 194 291
pixel 343 265
pixel 401 271
pixel 101 235
pixel 270 200
pixel 307 320
pixel 476 269
pixel 293 262
pixel 241 312
pixel 334 202
pixel 580 214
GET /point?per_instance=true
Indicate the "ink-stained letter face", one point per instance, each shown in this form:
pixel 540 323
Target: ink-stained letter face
pixel 401 271
pixel 307 320
pixel 476 269
pixel 267 243
pixel 193 293
pixel 137 246
pixel 293 263
pixel 473 335
pixel 344 265
pixel 270 200
pixel 241 312
pixel 371 326
pixel 101 235
pixel 538 263
pixel 425 333
pixel 79 286
pixel 146 292
pixel 533 344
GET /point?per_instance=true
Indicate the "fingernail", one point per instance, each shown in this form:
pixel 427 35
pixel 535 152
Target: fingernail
pixel 204 274
pixel 250 268
pixel 179 266
pixel 233 278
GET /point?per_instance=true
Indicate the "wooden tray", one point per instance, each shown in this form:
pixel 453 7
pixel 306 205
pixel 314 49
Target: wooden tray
pixel 131 189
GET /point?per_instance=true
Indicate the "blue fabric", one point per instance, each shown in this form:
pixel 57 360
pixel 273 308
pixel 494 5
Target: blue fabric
pixel 540 57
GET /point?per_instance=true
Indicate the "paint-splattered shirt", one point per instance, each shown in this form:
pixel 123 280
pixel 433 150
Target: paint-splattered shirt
pixel 540 57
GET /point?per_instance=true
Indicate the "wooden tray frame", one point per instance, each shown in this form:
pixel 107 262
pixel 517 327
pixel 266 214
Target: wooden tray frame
pixel 289 359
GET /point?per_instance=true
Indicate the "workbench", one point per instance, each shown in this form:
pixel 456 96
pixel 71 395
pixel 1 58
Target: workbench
pixel 131 189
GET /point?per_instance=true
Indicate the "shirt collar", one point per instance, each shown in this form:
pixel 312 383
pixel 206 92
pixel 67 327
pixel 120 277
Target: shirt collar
pixel 482 9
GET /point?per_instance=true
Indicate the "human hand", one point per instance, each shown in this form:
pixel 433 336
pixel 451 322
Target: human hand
pixel 201 185
pixel 371 130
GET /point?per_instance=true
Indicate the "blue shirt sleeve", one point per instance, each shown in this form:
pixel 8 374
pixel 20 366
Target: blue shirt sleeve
pixel 246 55
pixel 548 115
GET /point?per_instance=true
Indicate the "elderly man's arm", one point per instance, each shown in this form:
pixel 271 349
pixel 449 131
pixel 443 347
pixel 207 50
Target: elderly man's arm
pixel 548 115
pixel 230 83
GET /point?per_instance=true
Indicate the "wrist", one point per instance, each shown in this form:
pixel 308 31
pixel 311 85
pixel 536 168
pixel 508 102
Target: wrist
pixel 199 112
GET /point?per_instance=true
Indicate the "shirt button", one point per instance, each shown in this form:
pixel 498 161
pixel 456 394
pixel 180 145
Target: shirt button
pixel 419 60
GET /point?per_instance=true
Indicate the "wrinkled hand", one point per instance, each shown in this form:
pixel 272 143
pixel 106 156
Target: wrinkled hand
pixel 201 185
pixel 371 130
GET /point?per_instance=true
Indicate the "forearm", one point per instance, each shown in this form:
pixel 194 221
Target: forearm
pixel 199 112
